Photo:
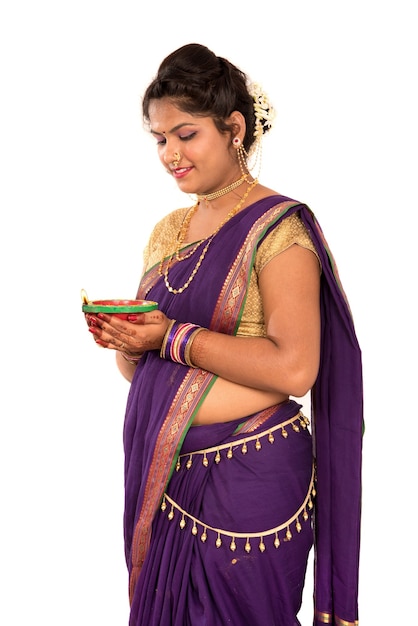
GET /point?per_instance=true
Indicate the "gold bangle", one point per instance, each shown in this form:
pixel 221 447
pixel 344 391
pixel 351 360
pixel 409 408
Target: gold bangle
pixel 165 338
pixel 189 346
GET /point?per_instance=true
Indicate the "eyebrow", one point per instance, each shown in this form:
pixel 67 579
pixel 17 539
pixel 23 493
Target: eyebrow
pixel 173 130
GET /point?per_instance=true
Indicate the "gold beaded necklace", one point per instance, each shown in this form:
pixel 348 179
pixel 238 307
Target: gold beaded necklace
pixel 222 192
pixel 163 271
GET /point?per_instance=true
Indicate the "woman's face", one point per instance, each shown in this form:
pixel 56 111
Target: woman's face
pixel 208 161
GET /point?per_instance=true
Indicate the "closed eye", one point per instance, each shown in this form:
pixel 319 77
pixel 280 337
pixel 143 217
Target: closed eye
pixel 187 137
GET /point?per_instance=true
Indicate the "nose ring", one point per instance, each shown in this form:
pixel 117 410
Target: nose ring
pixel 177 157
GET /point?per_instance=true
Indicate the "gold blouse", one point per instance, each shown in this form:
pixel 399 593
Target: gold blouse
pixel 290 231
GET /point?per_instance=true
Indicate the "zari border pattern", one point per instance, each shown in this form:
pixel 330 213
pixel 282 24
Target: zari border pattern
pixel 169 439
pixel 229 305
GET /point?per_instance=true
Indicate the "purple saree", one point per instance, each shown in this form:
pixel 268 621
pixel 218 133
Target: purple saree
pixel 218 518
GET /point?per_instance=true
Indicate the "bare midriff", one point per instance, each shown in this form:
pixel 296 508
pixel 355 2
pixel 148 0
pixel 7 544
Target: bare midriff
pixel 227 401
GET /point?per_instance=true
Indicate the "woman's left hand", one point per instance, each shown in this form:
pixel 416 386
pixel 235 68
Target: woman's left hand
pixel 140 332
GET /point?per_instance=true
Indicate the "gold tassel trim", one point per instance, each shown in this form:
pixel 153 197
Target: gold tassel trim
pixel 296 423
pixel 220 533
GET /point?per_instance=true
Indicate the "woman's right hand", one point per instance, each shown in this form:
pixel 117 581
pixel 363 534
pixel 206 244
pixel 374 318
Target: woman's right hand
pixel 139 333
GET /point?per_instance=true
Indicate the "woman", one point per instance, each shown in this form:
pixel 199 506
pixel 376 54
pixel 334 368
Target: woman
pixel 221 470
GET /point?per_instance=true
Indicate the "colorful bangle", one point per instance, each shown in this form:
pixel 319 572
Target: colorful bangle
pixel 133 360
pixel 177 342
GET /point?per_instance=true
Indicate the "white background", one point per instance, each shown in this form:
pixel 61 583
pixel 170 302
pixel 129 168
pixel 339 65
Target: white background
pixel 81 187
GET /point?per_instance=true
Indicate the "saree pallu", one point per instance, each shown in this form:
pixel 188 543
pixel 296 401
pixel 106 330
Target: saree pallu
pixel 163 399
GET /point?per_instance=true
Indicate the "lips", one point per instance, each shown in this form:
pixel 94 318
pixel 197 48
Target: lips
pixel 180 172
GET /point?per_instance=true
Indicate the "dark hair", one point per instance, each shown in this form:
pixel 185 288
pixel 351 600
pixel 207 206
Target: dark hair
pixel 200 83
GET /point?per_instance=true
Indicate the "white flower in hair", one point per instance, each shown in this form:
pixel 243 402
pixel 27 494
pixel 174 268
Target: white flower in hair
pixel 263 110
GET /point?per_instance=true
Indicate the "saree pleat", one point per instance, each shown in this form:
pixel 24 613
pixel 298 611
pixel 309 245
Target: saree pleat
pixel 176 579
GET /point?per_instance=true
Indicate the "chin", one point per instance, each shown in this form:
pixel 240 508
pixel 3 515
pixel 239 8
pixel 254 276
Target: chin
pixel 186 187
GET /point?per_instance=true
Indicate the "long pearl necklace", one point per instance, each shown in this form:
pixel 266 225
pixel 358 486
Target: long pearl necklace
pixel 163 271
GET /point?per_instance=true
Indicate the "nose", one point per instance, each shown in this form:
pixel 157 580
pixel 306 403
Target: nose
pixel 171 152
pixel 167 156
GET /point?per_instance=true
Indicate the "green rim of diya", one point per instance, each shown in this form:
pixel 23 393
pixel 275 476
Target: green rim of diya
pixel 142 307
pixel 116 306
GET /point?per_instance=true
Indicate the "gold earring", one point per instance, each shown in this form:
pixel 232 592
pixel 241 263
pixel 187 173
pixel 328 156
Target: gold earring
pixel 177 157
pixel 243 160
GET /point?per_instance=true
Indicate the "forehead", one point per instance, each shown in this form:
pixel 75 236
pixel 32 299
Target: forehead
pixel 166 117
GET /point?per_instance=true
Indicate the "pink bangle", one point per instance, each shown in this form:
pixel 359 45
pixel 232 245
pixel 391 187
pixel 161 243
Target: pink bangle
pixel 177 342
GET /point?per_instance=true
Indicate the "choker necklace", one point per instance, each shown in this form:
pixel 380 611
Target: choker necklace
pixel 163 271
pixel 222 192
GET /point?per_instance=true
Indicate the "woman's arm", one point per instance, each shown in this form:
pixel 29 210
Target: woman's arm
pixel 287 360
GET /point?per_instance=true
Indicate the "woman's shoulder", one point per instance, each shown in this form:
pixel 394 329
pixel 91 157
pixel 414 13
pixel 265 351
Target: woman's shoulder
pixel 162 235
pixel 261 192
pixel 290 230
pixel 168 226
pixel 174 218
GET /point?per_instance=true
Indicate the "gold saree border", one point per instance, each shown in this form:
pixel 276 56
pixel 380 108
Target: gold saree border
pixel 168 441
pixel 232 297
pixel 327 618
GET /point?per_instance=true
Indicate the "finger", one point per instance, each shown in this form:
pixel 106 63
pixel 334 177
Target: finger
pixel 117 323
pixel 109 337
pixel 115 342
pixel 140 319
pixel 122 329
pixel 90 319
